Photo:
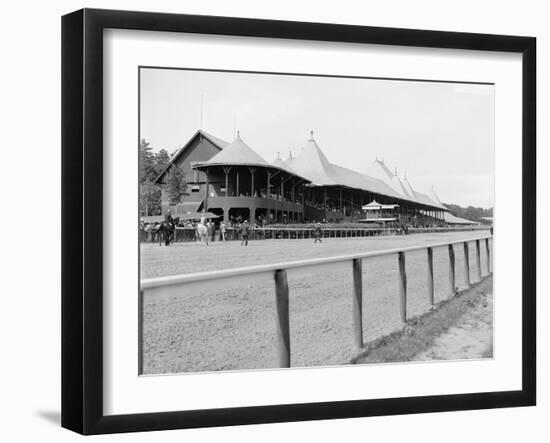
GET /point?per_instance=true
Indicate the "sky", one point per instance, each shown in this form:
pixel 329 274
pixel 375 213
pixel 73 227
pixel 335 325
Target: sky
pixel 439 134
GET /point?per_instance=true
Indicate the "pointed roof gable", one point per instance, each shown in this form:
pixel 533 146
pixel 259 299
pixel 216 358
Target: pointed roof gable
pixel 237 153
pixel 379 170
pixel 354 179
pixel 410 190
pixel 278 162
pixel 435 197
pixel 217 142
pixel 313 164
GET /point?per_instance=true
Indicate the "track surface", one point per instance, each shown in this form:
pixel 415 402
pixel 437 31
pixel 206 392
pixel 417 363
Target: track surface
pixel 234 329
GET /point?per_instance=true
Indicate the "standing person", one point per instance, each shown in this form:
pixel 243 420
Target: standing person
pixel 209 229
pixel 213 238
pixel 223 229
pixel 317 233
pixel 245 228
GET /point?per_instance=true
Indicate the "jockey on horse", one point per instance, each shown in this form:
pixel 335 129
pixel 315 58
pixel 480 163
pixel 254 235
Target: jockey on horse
pixel 166 229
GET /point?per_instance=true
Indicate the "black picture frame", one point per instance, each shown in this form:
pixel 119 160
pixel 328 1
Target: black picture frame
pixel 82 220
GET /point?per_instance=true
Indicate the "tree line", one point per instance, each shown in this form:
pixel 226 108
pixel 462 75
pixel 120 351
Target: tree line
pixel 151 165
pixel 469 213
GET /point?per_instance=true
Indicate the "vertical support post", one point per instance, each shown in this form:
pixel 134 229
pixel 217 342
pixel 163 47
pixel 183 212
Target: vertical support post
pixel 268 184
pixel 252 171
pixel 478 256
pixel 431 295
pixel 237 190
pixel 452 271
pixel 226 183
pixel 487 250
pixel 140 332
pixel 206 193
pixel 357 303
pixel 402 287
pixel 283 324
pixel 467 263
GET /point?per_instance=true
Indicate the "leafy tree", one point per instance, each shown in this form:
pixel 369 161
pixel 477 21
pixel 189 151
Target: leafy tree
pixel 149 198
pixel 150 192
pixel 162 158
pixel 146 161
pixel 175 184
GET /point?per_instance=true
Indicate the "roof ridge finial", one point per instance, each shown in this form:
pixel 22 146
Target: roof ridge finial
pixel 278 155
pixel 290 154
pixel 238 134
pixel 311 134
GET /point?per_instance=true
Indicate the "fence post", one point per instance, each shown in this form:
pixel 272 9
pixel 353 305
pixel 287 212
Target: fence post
pixel 431 294
pixel 402 287
pixel 478 256
pixel 358 302
pixel 140 332
pixel 452 273
pixel 467 262
pixel 488 255
pixel 283 324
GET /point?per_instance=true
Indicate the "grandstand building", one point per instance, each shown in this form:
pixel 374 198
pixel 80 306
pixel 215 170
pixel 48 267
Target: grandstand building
pixel 232 181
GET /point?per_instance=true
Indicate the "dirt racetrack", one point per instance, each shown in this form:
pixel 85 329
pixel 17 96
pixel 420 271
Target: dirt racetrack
pixel 234 329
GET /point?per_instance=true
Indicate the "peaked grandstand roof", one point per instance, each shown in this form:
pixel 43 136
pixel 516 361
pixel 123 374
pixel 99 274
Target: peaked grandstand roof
pixel 379 170
pixel 278 162
pixel 313 164
pixel 398 186
pixel 403 189
pixel 237 153
pixel 435 197
pixel 408 186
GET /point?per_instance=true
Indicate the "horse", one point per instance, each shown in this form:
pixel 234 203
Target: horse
pixel 202 233
pixel 165 230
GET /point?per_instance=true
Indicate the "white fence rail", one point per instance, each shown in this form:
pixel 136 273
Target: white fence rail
pixel 278 273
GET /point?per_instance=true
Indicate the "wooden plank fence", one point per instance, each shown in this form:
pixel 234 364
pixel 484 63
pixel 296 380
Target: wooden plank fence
pixel 214 280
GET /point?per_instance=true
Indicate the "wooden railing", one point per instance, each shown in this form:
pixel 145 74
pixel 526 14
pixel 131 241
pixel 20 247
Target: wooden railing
pixel 214 280
pixel 268 233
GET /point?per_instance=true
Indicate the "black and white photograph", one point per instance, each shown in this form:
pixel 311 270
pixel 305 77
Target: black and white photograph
pixel 301 220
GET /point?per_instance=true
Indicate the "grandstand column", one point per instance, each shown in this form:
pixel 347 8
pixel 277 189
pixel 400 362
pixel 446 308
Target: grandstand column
pixel 252 171
pixel 206 191
pixel 237 191
pixel 252 213
pixel 226 170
